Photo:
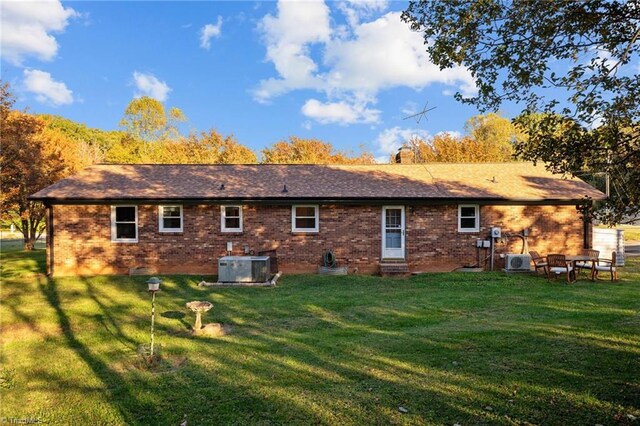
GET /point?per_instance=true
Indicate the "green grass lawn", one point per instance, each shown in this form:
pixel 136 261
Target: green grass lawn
pixel 451 348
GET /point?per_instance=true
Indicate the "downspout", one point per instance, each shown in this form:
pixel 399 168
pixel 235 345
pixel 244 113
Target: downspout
pixel 50 257
pixel 585 211
pixel 585 237
pixel 493 251
pixel 588 226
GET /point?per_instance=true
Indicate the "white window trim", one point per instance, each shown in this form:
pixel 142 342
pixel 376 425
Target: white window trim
pixel 161 227
pixel 477 217
pixel 305 230
pixel 223 216
pixel 113 225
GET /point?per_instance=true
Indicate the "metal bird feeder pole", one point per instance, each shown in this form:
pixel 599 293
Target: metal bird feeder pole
pixel 154 287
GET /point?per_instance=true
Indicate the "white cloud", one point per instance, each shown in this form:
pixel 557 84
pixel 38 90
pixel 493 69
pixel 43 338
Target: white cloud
pixel 410 108
pixel 339 112
pixel 46 89
pixel 288 37
pixel 210 31
pixel 149 85
pixel 356 10
pixel 384 54
pixel 350 66
pixel 27 27
pixel 390 140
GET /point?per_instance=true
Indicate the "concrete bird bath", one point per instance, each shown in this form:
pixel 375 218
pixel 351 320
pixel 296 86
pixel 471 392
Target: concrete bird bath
pixel 199 307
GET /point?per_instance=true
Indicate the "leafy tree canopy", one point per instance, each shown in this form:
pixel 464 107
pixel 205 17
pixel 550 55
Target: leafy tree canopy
pixel 528 52
pixel 146 119
pixel 310 151
pixel 208 148
pixel 93 144
pixel 490 138
pixel 203 148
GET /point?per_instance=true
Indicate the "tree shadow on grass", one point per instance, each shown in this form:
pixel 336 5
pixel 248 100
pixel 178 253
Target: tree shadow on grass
pixel 282 352
pixel 112 381
pixel 328 362
pixel 146 398
pixel 179 316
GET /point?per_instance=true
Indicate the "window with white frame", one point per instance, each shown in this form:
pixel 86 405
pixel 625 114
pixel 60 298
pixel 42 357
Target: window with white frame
pixel 305 218
pixel 124 224
pixel 170 218
pixel 231 218
pixel 468 218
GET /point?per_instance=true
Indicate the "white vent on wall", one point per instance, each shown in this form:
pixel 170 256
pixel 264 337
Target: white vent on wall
pixel 517 263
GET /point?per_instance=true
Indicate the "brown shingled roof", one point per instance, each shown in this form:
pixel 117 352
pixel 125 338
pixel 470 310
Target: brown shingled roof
pixel 434 181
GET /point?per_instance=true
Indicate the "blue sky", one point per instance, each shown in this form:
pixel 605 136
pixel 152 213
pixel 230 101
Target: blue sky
pixel 344 72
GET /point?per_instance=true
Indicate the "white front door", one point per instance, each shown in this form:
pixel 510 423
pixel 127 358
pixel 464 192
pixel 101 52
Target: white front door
pixel 393 232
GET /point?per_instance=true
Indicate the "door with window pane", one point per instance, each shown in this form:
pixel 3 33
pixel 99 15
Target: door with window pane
pixel 393 232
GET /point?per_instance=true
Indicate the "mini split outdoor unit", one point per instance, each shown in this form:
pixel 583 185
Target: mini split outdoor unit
pixel 517 263
pixel 244 269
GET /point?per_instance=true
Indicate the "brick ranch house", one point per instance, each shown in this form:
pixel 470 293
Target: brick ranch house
pixel 179 218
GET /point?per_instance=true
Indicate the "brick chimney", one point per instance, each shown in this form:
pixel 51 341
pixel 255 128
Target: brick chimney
pixel 405 155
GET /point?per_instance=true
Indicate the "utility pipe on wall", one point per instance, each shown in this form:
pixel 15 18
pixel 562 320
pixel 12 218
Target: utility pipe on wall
pixel 493 250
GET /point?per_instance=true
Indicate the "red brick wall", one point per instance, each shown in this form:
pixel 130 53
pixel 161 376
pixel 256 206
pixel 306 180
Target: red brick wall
pixel 434 243
pixel 82 237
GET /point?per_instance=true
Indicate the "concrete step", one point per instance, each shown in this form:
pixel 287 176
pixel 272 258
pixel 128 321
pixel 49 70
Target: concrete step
pixel 394 268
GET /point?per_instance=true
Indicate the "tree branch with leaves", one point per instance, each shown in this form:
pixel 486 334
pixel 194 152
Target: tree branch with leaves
pixel 569 64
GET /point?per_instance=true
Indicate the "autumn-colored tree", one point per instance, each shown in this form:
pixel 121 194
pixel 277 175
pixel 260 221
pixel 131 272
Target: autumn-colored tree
pixel 490 139
pixel 495 137
pixel 446 148
pixel 6 100
pixel 33 157
pixel 127 150
pixel 236 153
pixel 205 148
pixel 310 151
pixel 146 119
pixel 451 148
pixel 93 144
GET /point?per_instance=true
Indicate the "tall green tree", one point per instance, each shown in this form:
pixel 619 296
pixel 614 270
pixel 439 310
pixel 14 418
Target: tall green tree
pixel 573 61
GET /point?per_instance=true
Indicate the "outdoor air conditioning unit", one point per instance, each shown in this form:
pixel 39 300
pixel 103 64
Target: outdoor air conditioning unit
pixel 517 263
pixel 244 269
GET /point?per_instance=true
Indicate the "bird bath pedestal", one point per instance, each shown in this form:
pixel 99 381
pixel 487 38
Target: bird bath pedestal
pixel 199 307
